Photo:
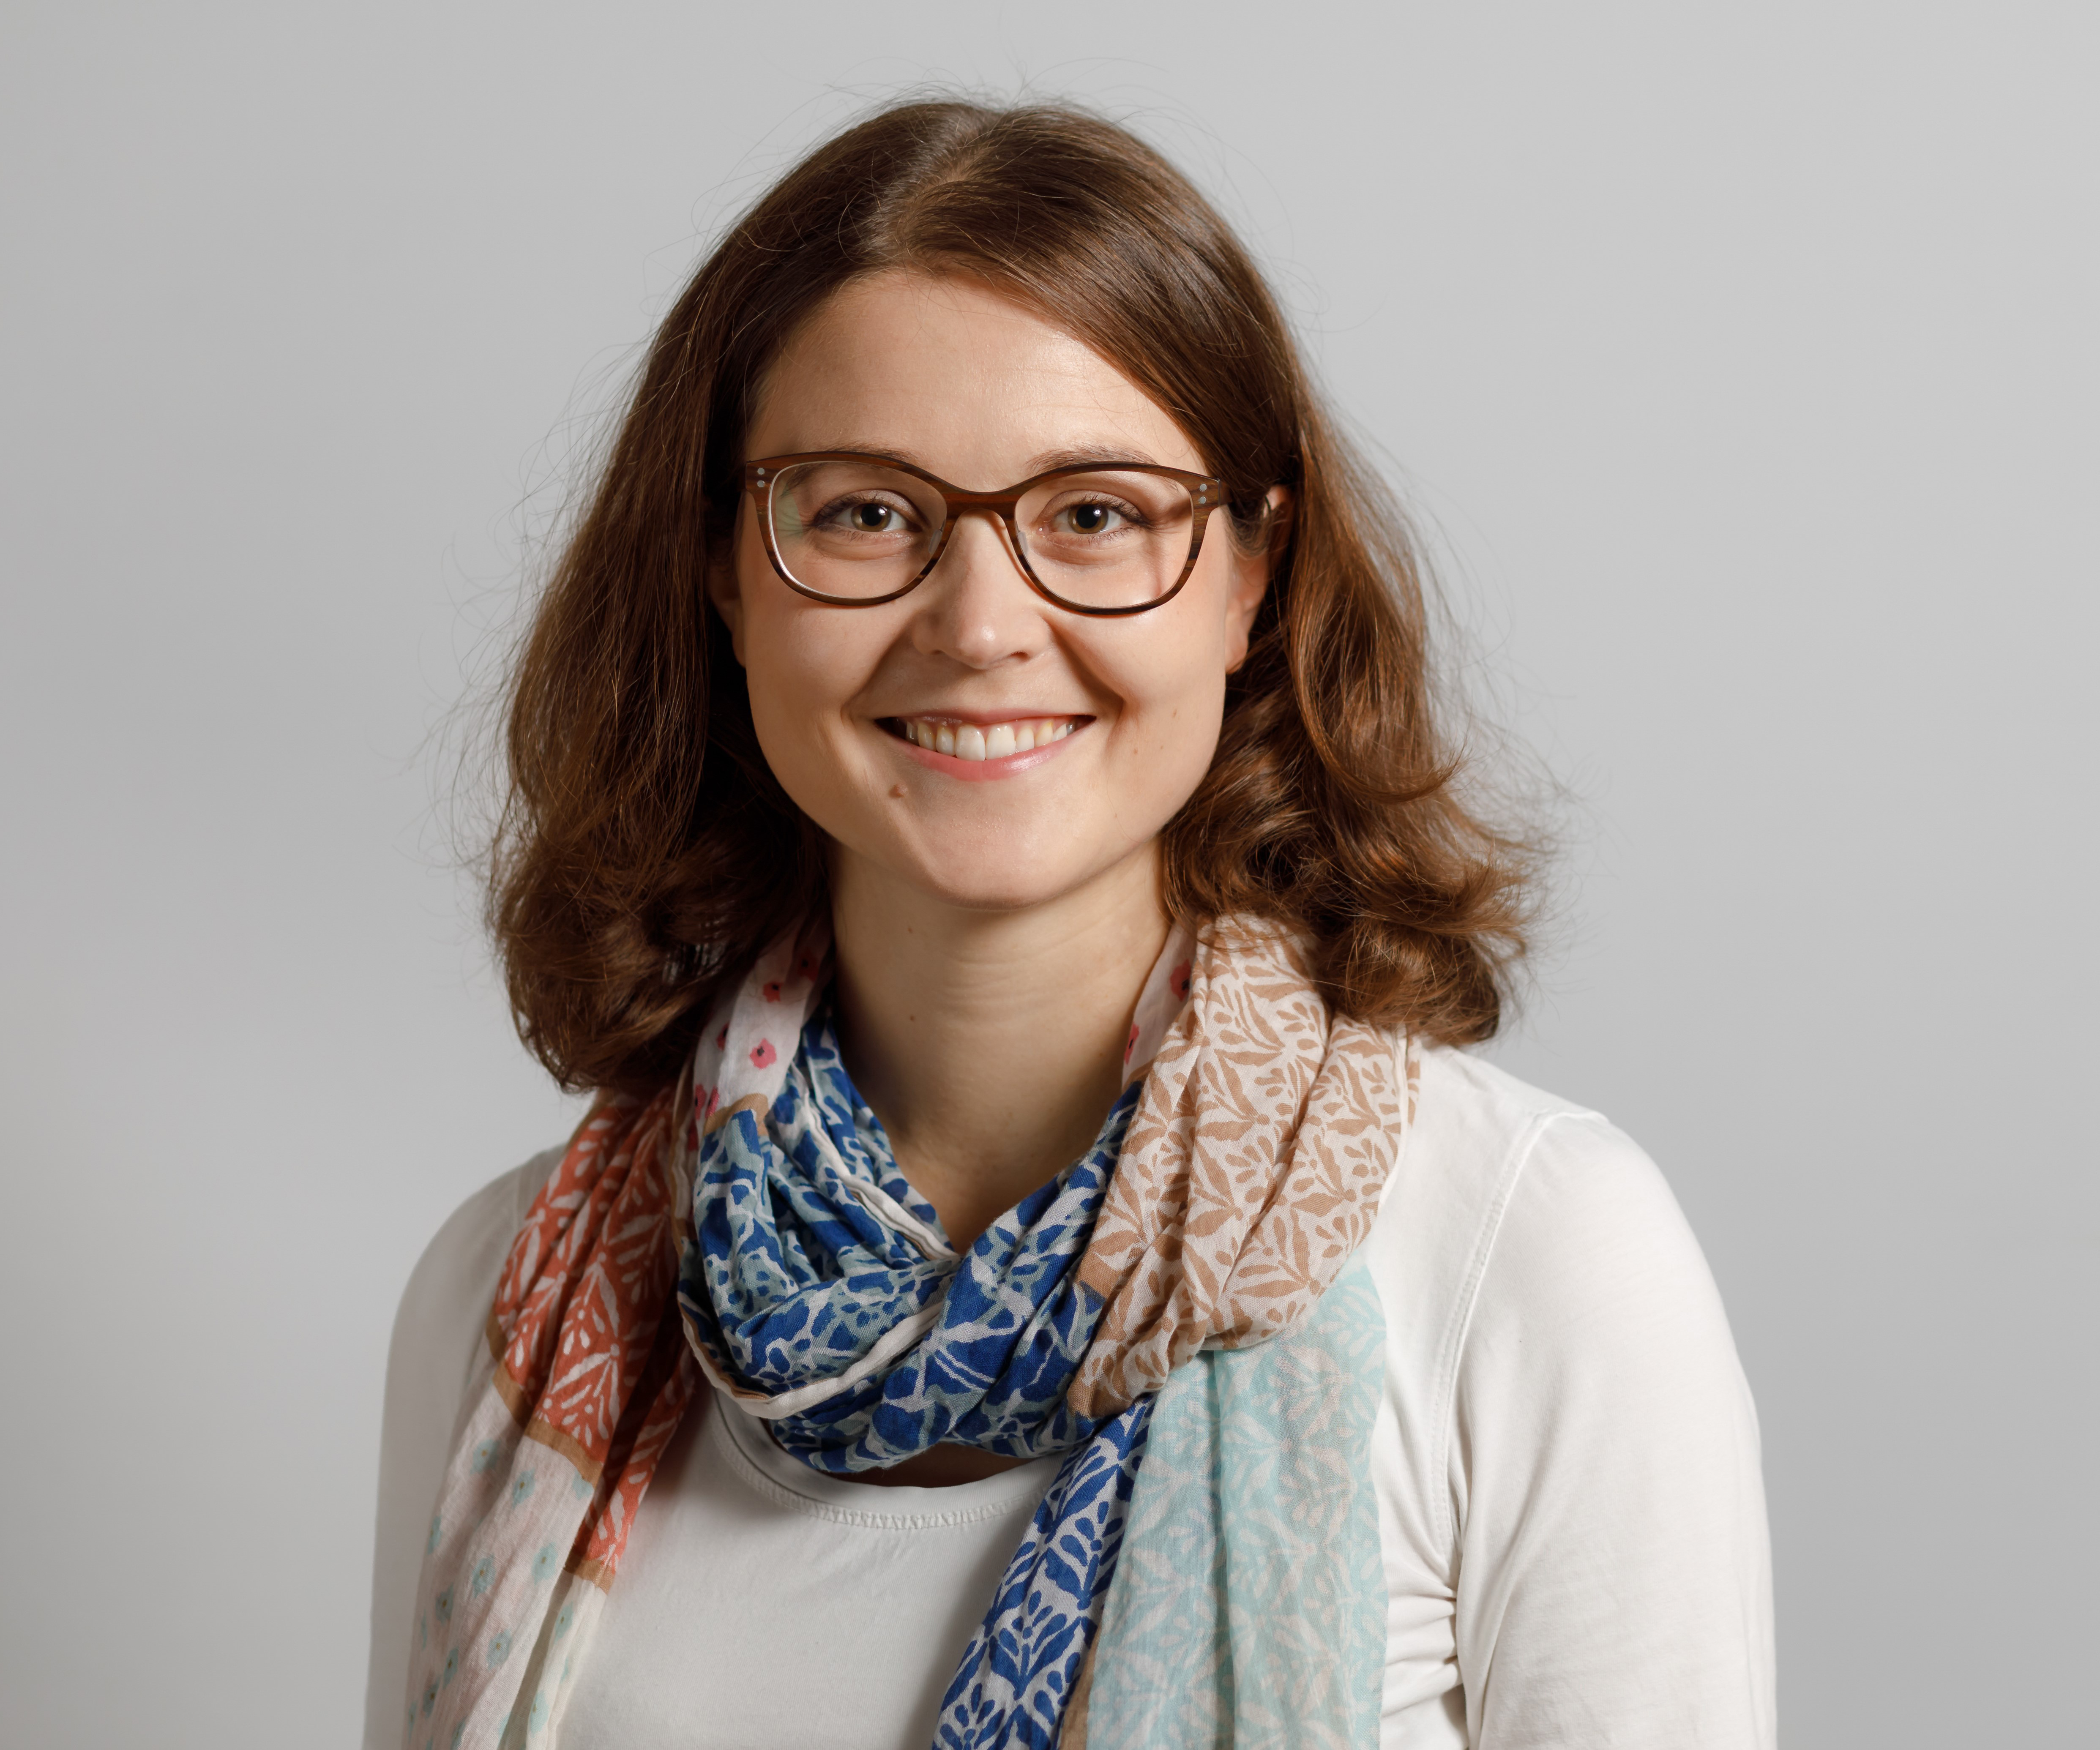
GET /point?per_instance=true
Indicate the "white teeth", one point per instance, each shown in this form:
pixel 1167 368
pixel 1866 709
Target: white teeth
pixel 971 741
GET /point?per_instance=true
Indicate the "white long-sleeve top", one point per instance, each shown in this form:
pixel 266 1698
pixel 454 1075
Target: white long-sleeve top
pixel 1570 1510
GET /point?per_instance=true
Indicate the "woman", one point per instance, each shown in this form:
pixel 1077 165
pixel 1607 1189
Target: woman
pixel 980 816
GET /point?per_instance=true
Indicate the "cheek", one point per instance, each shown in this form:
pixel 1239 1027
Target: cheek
pixel 1175 703
pixel 800 674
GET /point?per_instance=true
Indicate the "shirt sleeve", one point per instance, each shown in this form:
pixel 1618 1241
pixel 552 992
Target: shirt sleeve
pixel 1615 1580
pixel 442 1316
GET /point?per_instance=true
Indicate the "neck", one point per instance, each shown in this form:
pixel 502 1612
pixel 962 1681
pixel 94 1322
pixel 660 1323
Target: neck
pixel 990 1043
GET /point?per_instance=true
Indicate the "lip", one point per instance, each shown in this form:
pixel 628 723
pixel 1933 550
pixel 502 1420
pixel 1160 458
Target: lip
pixel 986 771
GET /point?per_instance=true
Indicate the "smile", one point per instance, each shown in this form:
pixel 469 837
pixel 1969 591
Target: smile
pixel 979 742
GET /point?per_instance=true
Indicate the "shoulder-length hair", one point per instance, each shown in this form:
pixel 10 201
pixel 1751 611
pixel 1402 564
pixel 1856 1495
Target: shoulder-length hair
pixel 645 853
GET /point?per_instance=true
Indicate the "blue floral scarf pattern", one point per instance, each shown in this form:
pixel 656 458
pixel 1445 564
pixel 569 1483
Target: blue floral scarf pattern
pixel 799 1268
pixel 819 1293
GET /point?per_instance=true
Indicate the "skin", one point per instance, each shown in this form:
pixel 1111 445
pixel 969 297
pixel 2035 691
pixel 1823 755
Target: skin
pixel 991 937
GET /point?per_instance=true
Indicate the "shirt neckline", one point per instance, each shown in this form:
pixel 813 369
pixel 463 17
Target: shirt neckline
pixel 787 1482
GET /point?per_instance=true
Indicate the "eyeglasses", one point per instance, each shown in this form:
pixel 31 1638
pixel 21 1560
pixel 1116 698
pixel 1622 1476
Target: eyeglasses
pixel 858 531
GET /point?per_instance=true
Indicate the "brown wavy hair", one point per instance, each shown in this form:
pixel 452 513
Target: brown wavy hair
pixel 645 853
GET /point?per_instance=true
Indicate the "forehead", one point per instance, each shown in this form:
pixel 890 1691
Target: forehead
pixel 956 377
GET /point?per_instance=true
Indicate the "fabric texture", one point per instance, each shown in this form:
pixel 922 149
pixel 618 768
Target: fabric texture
pixel 822 1295
pixel 1021 1667
pixel 584 1384
pixel 1218 1629
pixel 1251 1172
pixel 818 1292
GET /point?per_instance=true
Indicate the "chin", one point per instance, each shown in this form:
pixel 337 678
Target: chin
pixel 1010 865
pixel 994 890
pixel 1005 871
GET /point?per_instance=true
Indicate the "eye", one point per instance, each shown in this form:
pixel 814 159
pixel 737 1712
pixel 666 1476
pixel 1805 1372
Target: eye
pixel 1093 516
pixel 866 515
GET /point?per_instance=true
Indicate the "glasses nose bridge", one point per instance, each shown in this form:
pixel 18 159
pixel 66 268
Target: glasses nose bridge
pixel 995 508
pixel 1001 504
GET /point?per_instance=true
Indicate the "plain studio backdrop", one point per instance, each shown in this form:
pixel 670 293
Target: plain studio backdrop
pixel 1740 364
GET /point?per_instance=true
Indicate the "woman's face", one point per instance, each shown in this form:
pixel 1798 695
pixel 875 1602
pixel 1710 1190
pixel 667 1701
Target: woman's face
pixel 978 390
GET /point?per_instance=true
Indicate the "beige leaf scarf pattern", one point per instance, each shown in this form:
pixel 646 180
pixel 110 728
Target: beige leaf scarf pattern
pixel 1252 1170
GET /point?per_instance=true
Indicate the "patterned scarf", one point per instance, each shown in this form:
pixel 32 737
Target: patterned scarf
pixel 1126 1308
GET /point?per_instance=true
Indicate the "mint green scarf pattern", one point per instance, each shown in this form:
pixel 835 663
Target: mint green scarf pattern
pixel 1249 1606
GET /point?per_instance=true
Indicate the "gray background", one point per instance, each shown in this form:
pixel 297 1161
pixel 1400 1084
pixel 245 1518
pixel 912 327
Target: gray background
pixel 1741 362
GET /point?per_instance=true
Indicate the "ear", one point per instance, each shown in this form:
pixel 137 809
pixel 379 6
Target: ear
pixel 1251 572
pixel 725 589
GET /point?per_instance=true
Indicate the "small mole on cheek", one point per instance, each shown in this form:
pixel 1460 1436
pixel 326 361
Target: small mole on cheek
pixel 897 790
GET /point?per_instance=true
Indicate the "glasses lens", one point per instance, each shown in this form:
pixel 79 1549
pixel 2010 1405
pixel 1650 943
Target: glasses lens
pixel 853 530
pixel 1107 538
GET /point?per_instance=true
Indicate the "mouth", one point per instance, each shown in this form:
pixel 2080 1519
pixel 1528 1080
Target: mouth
pixel 982 741
pixel 967 749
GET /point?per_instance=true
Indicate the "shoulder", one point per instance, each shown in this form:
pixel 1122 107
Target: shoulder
pixel 444 1309
pixel 456 1272
pixel 1529 1253
pixel 437 1338
pixel 1477 1133
pixel 1497 1178
pixel 1567 1413
pixel 1567 1221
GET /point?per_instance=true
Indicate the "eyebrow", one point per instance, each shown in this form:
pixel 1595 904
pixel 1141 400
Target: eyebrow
pixel 1076 456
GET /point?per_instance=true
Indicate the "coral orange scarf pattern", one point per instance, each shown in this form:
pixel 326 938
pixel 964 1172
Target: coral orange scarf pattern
pixel 585 1383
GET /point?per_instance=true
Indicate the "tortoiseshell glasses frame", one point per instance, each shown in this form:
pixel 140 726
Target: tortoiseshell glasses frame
pixel 762 479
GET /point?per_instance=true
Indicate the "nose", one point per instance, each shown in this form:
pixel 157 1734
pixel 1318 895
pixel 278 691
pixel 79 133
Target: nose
pixel 978 608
